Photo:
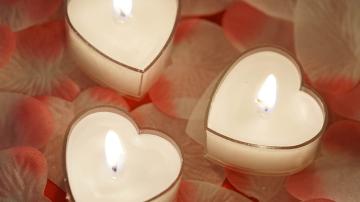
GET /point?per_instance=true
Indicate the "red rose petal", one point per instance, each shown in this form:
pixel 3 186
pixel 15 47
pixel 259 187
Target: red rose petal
pixel 63 113
pixel 98 96
pixel 40 64
pixel 262 188
pixel 45 41
pixel 20 14
pixel 67 89
pixel 343 138
pixel 338 165
pixel 202 191
pixel 195 165
pixel 200 53
pixel 283 10
pixel 247 27
pixel 23 172
pixel 326 41
pixel 346 104
pixel 197 121
pixel 306 184
pixel 24 121
pixel 319 200
pixel 33 123
pixel 7 44
pixel 202 7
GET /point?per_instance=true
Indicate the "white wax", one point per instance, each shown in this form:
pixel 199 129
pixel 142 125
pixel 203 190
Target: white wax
pixel 150 165
pixel 135 42
pixel 295 119
pixel 235 115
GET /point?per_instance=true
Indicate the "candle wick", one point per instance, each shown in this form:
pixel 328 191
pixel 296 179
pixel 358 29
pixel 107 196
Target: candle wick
pixel 114 168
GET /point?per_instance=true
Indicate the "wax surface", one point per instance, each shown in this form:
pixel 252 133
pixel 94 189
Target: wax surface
pixel 150 165
pixel 135 42
pixel 295 118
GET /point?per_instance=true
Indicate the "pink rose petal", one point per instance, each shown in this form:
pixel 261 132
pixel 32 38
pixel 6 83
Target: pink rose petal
pixel 195 165
pixel 20 14
pixel 39 65
pixel 202 7
pixel 345 104
pixel 283 10
pixel 66 89
pixel 98 96
pixel 262 188
pixel 63 113
pixel 343 138
pixel 196 191
pixel 338 165
pixel 247 27
pixel 7 44
pixel 197 121
pixel 25 121
pixel 23 172
pixel 81 79
pixel 54 154
pixel 319 200
pixel 200 53
pixel 327 39
pixel 33 123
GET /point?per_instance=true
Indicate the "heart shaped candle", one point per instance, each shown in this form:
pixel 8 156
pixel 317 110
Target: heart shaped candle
pixel 261 120
pixel 107 160
pixel 122 44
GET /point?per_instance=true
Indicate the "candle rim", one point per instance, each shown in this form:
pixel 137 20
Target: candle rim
pixel 141 131
pixel 167 43
pixel 303 88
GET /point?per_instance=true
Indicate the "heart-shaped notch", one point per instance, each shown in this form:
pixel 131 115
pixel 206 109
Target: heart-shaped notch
pixel 109 159
pixel 261 120
pixel 122 44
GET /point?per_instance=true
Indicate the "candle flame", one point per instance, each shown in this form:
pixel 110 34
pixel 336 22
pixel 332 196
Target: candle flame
pixel 122 8
pixel 266 97
pixel 113 151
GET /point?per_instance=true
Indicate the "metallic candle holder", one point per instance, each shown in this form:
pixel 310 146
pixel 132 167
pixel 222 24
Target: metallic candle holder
pixel 248 157
pixel 167 194
pixel 129 80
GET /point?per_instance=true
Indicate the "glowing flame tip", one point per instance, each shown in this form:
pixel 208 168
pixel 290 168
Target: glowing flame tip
pixel 113 150
pixel 267 94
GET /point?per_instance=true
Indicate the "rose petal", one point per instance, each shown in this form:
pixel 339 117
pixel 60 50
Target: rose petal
pixel 63 113
pixel 39 65
pixel 247 27
pixel 67 89
pixel 200 53
pixel 283 10
pixel 319 200
pixel 343 138
pixel 23 172
pixel 339 165
pixel 345 104
pixel 7 44
pixel 195 165
pixel 202 7
pixel 197 121
pixel 98 96
pixel 191 191
pixel 54 154
pixel 20 14
pixel 326 39
pixel 81 79
pixel 262 188
pixel 25 121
